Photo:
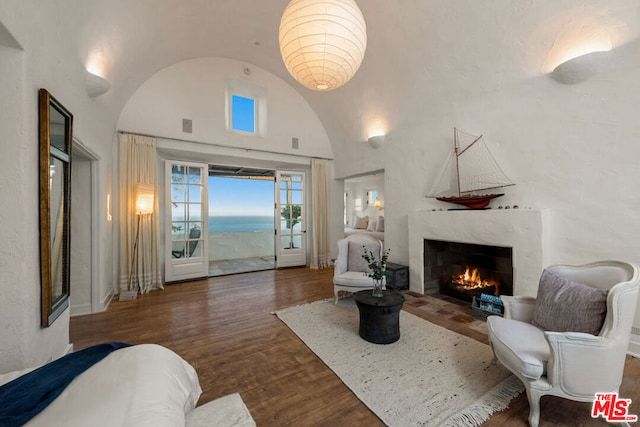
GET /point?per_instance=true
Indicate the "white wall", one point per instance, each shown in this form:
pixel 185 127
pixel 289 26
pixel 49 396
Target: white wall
pixel 195 90
pixel 571 149
pixel 49 60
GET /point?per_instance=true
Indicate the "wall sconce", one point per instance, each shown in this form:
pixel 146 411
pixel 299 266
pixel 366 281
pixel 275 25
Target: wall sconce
pixel 581 68
pixel 96 85
pixel 377 204
pixel 109 218
pixel 376 141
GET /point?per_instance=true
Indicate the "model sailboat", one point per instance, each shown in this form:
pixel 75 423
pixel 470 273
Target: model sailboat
pixel 469 173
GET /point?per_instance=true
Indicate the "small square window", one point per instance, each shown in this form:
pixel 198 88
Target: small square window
pixel 243 117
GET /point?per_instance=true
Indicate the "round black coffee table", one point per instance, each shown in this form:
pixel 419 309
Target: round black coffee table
pixel 379 317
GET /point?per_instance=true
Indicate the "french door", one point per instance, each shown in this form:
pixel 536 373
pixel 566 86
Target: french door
pixel 291 242
pixel 186 225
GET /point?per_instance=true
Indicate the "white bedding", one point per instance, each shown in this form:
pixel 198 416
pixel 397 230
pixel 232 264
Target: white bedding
pixel 142 385
pixel 348 231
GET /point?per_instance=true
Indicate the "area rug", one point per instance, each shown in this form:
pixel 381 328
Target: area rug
pixel 429 377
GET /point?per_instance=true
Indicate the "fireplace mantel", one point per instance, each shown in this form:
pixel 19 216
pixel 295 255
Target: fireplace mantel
pixel 524 230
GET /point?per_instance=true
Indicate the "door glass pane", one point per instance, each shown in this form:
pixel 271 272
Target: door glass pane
pixel 286 242
pixel 178 193
pixel 178 230
pixel 296 197
pixel 179 174
pixel 178 249
pixel 195 176
pixel 195 249
pixel 195 194
pixel 178 211
pixel 195 212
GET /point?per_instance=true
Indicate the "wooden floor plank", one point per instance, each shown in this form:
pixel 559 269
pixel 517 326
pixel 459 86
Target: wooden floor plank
pixel 225 328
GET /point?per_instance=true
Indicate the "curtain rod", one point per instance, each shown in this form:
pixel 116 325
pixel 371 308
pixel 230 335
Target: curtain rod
pixel 213 144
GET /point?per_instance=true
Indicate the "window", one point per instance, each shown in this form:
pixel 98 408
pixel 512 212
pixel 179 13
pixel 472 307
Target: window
pixel 371 197
pixel 246 108
pixel 243 115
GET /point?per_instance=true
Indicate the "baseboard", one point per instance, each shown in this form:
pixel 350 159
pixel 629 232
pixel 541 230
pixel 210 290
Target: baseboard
pixel 79 310
pixel 106 300
pixel 634 346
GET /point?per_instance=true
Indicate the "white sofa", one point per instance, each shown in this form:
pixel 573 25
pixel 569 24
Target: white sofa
pixel 141 385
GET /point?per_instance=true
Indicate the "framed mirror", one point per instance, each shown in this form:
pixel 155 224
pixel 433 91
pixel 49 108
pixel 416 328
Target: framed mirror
pixel 56 132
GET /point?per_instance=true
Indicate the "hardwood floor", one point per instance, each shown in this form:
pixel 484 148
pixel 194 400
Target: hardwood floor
pixel 225 328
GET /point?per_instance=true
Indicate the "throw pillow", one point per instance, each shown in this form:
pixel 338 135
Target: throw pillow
pixel 563 305
pixel 372 225
pixel 355 262
pixel 359 222
pixel 380 224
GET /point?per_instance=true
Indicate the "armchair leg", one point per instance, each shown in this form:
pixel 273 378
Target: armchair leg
pixel 534 407
pixel 336 295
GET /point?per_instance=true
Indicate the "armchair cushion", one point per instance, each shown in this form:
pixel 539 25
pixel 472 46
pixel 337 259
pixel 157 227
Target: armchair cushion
pixel 563 305
pixel 522 347
pixel 355 261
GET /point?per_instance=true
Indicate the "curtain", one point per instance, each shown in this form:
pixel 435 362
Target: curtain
pixel 138 166
pixel 321 189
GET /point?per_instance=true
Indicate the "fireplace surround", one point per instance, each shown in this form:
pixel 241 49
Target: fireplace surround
pixel 525 231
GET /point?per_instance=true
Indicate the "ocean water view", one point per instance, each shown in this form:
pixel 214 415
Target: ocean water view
pixel 228 224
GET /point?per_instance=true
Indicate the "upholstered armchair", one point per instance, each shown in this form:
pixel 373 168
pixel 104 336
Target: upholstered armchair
pixel 349 271
pixel 571 340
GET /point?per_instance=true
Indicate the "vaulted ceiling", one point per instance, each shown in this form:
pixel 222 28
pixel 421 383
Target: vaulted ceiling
pixel 423 56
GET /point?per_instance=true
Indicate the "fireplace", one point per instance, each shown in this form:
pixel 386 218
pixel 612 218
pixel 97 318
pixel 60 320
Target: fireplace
pixel 524 231
pixel 467 270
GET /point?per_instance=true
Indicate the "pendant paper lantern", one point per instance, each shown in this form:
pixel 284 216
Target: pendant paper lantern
pixel 322 42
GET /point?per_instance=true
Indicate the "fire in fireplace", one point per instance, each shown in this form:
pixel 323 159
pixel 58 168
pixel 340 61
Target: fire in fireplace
pixel 464 271
pixel 471 280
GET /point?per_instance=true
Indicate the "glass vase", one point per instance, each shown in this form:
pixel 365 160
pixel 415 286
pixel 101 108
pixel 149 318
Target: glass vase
pixel 377 288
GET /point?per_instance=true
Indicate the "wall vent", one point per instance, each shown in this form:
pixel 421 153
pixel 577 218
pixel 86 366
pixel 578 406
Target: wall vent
pixel 294 143
pixel 635 330
pixel 187 125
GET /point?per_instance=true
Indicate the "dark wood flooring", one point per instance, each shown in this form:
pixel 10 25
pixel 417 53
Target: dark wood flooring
pixel 225 328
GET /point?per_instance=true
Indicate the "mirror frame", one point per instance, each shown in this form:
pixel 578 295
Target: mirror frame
pixel 53 305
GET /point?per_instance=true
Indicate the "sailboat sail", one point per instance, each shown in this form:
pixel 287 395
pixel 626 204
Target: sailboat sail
pixel 447 183
pixel 478 170
pixel 470 169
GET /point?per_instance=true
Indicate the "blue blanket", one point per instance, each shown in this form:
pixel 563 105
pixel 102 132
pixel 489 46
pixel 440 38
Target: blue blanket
pixel 26 396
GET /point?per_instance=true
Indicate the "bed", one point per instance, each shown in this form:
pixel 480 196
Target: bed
pixel 379 235
pixel 141 385
pixel 370 226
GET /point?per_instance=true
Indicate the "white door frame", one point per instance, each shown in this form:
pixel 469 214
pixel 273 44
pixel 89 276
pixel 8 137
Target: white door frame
pixel 298 256
pixel 94 211
pixel 186 268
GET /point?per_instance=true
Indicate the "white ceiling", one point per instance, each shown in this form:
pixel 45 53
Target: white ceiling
pixel 423 56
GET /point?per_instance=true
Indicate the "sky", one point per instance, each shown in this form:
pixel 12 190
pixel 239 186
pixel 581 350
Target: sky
pixel 233 196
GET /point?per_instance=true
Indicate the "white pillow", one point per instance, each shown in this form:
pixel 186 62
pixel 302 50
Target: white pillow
pixel 372 225
pixel 380 224
pixel 360 222
pixel 355 261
